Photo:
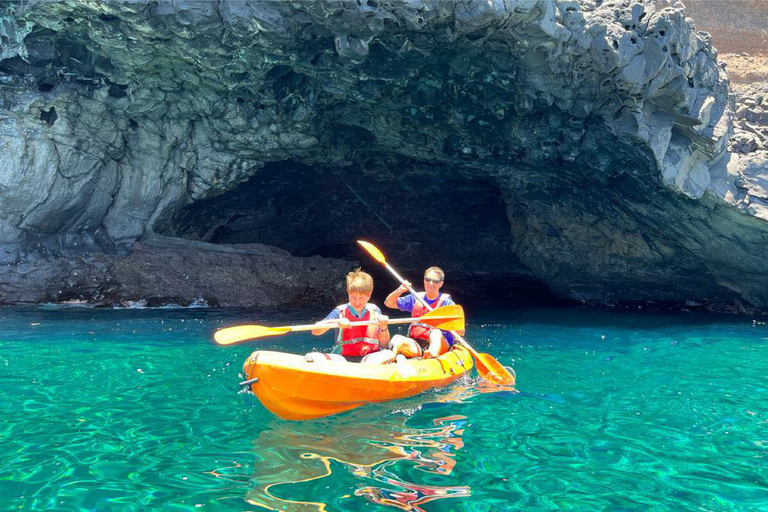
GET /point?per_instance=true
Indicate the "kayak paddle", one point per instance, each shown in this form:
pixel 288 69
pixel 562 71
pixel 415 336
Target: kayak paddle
pixel 487 366
pixel 446 317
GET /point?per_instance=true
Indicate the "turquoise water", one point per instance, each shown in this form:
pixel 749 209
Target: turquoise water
pixel 139 410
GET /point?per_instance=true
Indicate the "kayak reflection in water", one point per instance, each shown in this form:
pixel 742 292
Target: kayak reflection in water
pixel 328 465
pixel 364 343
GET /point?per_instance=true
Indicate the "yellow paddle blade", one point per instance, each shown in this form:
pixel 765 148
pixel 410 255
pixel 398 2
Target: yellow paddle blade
pixel 373 251
pixel 238 333
pixel 447 325
pixel 492 370
pixel 447 318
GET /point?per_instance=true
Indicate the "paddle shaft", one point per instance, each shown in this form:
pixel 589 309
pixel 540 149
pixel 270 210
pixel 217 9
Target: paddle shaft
pixel 311 327
pixel 430 308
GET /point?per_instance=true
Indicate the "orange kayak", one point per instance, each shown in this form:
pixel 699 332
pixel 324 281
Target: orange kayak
pixel 294 389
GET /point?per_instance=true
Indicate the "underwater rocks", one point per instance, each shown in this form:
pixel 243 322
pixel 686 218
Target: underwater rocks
pixel 596 134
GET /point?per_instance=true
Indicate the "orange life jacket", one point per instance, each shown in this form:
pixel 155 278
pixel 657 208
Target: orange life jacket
pixel 358 340
pixel 419 330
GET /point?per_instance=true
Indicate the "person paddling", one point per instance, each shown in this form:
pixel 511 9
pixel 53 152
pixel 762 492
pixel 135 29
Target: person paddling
pixel 363 343
pixel 422 340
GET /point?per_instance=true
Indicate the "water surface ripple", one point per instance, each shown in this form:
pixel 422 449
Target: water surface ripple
pixel 138 410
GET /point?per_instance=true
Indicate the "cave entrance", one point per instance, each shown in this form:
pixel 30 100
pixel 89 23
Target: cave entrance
pixel 418 213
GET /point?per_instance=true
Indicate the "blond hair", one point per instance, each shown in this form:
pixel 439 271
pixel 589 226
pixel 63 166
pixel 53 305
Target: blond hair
pixel 436 270
pixel 359 281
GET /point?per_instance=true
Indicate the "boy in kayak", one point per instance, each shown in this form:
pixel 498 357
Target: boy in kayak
pixel 422 340
pixel 363 343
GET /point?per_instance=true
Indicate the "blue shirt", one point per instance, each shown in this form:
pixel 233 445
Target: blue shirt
pixel 406 304
pixel 335 313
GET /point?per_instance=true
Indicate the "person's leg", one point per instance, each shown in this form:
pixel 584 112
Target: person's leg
pixel 406 346
pixel 437 344
pixel 379 357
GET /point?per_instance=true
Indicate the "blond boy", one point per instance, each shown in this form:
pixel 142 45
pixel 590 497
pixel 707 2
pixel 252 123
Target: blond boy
pixel 365 343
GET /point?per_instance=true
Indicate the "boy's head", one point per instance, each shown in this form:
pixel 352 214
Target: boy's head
pixel 359 282
pixel 359 288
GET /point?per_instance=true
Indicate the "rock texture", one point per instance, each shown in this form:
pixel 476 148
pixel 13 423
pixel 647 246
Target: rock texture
pixel 577 148
pixel 744 172
pixel 164 271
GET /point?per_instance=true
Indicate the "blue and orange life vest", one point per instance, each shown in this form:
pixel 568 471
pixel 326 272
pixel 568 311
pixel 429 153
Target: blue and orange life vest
pixel 419 330
pixel 358 340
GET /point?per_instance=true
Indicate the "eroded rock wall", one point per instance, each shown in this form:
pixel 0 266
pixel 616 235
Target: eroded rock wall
pixel 602 125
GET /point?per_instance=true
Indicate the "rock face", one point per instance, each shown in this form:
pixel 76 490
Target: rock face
pixel 747 162
pixel 577 149
pixel 161 271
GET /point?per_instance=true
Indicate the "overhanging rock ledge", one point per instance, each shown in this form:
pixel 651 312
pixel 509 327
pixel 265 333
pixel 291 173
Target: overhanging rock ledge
pixel 572 148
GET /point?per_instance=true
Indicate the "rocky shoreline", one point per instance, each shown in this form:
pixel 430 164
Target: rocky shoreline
pixel 159 271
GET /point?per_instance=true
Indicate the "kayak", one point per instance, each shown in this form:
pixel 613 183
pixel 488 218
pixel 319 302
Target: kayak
pixel 294 389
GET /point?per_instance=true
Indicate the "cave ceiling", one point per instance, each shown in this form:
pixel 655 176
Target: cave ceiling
pixel 563 149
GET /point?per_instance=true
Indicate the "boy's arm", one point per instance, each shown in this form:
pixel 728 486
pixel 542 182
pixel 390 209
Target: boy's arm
pixel 391 300
pixel 322 330
pixel 332 321
pixel 384 335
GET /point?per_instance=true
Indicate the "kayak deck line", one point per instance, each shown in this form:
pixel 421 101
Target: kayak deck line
pixel 294 389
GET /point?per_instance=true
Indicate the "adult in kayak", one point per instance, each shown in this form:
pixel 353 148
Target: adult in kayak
pixel 422 340
pixel 365 343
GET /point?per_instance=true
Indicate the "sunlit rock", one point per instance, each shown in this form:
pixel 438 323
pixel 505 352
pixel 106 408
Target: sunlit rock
pixel 530 147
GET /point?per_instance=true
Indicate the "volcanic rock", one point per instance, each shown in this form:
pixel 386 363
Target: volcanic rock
pixel 576 149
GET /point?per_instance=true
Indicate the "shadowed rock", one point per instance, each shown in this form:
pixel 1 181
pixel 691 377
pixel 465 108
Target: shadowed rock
pixel 573 148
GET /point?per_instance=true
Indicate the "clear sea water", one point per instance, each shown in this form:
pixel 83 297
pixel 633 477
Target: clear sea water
pixel 140 410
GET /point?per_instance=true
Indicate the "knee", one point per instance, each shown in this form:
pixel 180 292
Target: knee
pixel 437 344
pixel 396 340
pixel 380 357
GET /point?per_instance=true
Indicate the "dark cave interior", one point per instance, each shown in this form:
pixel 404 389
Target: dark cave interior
pixel 454 221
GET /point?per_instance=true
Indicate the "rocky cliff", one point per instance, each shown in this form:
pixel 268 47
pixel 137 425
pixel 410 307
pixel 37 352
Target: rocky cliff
pixel 577 149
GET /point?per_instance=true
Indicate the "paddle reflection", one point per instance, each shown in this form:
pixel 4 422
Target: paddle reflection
pixel 375 459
